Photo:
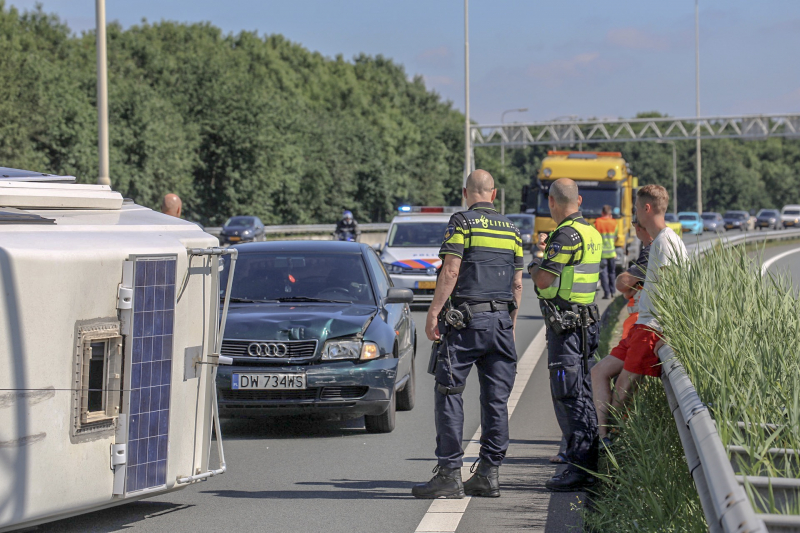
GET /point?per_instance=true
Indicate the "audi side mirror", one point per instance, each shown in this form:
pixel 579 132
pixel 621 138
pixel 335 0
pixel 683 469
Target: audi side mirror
pixel 398 296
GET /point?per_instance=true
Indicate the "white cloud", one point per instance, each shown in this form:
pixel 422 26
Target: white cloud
pixel 440 56
pixel 558 71
pixel 635 39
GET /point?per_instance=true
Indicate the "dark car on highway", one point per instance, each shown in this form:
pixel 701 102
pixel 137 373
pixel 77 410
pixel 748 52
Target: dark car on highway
pixel 316 327
pixel 524 224
pixel 769 219
pixel 242 229
pixel 737 220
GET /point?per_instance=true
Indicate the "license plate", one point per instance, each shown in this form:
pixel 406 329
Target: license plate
pixel 426 284
pixel 728 226
pixel 234 238
pixel 788 223
pixel 268 381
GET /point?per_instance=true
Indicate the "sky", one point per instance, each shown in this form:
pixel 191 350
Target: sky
pixel 557 58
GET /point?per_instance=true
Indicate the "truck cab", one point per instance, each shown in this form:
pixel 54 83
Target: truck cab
pixel 603 178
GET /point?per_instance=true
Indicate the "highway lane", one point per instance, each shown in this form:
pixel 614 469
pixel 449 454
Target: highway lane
pixel 787 263
pixel 301 474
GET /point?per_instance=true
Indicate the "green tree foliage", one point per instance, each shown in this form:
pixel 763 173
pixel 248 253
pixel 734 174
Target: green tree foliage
pixel 250 124
pixel 234 124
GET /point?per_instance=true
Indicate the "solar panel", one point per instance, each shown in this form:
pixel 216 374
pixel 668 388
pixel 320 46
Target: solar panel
pixel 151 372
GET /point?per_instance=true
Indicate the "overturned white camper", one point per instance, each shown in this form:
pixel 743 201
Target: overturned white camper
pixel 109 335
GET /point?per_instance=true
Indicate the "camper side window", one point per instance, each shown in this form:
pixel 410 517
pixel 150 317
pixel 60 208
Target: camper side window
pixel 98 377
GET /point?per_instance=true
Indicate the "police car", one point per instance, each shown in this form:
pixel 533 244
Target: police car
pixel 410 253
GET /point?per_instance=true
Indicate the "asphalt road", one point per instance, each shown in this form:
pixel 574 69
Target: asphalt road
pixel 789 263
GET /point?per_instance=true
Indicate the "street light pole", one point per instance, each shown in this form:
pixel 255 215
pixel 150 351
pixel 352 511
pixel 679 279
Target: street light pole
pixel 102 95
pixel 467 140
pixel 697 102
pixel 674 175
pixel 502 142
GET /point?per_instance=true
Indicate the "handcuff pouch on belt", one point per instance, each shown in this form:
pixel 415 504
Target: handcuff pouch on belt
pixel 458 317
pixel 560 322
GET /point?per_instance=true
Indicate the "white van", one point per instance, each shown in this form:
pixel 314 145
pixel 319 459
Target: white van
pixel 790 216
pixel 109 342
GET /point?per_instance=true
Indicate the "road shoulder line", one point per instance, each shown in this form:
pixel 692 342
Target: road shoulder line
pixel 443 516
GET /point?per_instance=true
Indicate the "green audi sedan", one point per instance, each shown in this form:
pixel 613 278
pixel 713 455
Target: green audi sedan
pixel 316 327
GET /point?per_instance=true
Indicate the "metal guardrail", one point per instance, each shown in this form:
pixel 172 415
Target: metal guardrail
pixel 725 503
pixel 298 229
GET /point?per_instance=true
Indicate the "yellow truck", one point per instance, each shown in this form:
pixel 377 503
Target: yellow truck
pixel 603 178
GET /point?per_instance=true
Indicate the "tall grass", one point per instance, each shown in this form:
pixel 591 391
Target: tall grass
pixel 646 484
pixel 738 336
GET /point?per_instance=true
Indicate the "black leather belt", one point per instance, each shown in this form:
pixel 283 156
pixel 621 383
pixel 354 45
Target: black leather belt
pixel 483 307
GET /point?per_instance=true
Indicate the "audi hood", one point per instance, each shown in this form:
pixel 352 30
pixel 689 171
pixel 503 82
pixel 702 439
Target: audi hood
pixel 296 321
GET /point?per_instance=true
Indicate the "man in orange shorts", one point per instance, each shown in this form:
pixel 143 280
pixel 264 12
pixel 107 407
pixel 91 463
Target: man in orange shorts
pixel 636 353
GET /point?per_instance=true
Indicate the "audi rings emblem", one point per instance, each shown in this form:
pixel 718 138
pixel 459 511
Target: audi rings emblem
pixel 268 349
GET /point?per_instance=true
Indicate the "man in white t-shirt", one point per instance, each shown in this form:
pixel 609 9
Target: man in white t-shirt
pixel 637 350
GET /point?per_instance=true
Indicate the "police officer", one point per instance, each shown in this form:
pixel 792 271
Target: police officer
pixel 479 289
pixel 566 281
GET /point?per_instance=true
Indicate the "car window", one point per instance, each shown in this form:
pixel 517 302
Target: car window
pixel 298 275
pixel 383 280
pixel 734 215
pixel 687 217
pixel 768 213
pixel 792 212
pixel 417 234
pixel 240 221
pixel 709 216
pixel 522 223
pixel 670 217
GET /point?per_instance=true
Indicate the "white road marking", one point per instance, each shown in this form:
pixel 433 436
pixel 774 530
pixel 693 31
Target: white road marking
pixel 443 516
pixel 769 262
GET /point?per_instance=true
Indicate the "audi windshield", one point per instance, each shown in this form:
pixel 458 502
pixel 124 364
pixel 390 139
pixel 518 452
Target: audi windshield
pixel 417 234
pixel 299 278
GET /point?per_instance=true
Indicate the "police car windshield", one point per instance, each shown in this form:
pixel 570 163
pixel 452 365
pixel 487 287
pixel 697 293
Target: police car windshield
pixel 273 276
pixel 593 201
pixel 240 221
pixel 417 234
pixel 522 223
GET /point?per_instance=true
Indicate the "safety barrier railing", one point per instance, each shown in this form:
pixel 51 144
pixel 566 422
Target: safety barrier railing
pixel 310 229
pixel 725 503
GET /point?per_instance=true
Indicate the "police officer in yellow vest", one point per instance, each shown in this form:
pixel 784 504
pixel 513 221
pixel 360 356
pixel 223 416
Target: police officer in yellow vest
pixel 566 282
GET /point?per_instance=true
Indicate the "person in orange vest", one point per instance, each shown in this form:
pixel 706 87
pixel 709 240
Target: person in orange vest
pixel 607 227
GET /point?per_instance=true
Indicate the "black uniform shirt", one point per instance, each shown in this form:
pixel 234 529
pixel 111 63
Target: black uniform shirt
pixel 639 267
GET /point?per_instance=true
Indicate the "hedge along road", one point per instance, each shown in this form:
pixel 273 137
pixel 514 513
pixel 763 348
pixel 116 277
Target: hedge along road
pixel 296 474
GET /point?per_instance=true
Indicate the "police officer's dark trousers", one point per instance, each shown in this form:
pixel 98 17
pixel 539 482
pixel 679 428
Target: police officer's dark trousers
pixel 608 271
pixel 571 389
pixel 488 343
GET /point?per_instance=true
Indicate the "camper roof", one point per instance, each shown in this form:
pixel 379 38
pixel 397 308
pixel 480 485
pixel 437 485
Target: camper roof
pixel 16 174
pixel 27 189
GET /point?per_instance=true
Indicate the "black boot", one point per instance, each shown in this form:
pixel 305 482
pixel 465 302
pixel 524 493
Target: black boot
pixel 570 481
pixel 484 482
pixel 445 484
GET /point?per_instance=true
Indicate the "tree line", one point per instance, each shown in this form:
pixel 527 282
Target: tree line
pixel 255 124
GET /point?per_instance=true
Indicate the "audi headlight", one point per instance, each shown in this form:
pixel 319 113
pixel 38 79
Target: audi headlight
pixel 393 269
pixel 350 349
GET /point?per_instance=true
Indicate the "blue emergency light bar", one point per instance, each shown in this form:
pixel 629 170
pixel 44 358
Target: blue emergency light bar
pixel 428 209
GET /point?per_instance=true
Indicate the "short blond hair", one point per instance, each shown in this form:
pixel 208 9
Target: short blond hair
pixel 655 195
